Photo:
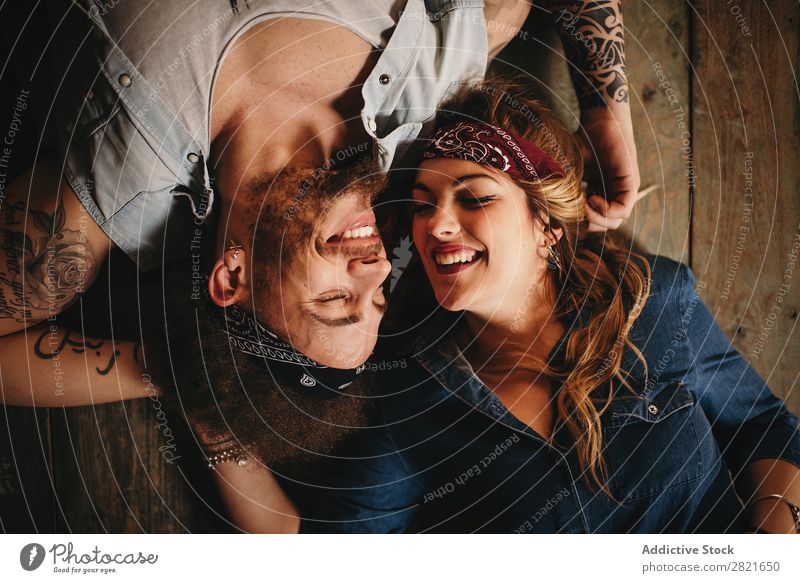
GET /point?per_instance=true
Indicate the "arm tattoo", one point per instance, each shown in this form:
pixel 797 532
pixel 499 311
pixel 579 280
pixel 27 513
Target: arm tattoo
pixel 592 34
pixel 46 267
pixel 52 342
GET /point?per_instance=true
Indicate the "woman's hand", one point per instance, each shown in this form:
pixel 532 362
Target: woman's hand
pixel 609 153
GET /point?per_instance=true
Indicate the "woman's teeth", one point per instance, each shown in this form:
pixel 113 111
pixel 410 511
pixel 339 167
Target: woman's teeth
pixel 450 258
pixel 360 232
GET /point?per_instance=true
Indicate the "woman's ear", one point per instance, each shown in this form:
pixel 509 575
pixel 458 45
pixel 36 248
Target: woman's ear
pixel 227 283
pixel 552 234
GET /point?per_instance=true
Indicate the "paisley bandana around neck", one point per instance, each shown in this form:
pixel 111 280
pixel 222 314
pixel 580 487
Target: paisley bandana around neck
pixel 292 369
pixel 491 146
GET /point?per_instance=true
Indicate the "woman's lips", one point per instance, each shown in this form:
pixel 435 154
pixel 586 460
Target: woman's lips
pixel 449 259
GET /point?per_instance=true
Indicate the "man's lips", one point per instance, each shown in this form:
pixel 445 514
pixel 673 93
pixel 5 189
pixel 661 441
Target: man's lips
pixel 353 224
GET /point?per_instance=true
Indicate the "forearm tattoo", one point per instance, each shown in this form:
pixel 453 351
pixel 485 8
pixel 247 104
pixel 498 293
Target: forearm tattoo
pixel 592 34
pixel 53 341
pixel 46 267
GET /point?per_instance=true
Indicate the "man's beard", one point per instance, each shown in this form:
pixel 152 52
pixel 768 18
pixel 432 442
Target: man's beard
pixel 231 393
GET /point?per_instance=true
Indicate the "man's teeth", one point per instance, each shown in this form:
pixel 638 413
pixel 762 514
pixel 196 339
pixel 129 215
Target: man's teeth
pixel 360 232
pixel 458 257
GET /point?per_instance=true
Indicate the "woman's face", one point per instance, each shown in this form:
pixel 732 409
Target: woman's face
pixel 479 244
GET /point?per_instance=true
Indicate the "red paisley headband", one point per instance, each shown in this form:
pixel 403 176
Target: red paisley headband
pixel 491 146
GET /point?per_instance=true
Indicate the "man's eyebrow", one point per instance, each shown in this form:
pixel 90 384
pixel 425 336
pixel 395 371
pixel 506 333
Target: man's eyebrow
pixel 337 322
pixel 456 181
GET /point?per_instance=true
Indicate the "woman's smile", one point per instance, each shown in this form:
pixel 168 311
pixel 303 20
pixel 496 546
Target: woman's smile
pixel 451 259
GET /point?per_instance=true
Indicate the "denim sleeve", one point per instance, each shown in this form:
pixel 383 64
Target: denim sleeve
pixel 370 491
pixel 749 422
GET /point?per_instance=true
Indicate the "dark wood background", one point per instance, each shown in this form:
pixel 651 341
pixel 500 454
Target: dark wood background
pixel 732 69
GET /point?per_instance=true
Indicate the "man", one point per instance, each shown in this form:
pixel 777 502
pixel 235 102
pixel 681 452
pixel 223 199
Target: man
pixel 172 111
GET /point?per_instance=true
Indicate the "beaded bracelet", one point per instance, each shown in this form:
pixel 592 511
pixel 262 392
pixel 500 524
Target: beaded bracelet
pixel 229 454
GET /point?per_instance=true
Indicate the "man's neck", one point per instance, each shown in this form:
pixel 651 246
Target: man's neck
pixel 279 100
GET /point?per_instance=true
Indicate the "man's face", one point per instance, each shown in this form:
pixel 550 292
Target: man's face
pixel 326 296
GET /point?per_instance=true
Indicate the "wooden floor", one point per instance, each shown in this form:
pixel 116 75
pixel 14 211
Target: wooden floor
pixel 717 118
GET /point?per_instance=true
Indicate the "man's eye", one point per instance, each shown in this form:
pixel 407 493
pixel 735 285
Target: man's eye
pixel 477 201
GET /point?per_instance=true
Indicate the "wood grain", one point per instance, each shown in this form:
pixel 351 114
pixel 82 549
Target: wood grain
pixel 745 112
pixel 657 58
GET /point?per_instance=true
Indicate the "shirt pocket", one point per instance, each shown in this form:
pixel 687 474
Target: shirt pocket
pixel 100 106
pixel 651 442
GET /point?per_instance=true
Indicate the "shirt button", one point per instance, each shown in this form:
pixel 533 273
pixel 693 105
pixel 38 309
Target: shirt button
pixel 384 79
pixel 125 80
pixel 653 409
pixel 372 125
pixel 193 158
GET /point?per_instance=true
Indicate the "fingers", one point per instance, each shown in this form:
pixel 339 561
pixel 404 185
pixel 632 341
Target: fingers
pixel 602 215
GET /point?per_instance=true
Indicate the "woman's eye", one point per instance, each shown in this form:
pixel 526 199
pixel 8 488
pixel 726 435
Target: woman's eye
pixel 477 201
pixel 421 207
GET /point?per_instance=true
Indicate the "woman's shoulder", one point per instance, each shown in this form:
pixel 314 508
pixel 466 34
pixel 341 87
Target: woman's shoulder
pixel 671 282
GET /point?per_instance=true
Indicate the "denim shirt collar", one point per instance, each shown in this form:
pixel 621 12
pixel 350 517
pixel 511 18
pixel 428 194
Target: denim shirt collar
pixel 436 350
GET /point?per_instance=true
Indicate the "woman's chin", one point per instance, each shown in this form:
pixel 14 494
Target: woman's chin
pixel 452 302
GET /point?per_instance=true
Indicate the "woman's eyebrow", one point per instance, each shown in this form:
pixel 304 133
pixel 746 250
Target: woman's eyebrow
pixel 456 181
pixel 420 186
pixel 462 179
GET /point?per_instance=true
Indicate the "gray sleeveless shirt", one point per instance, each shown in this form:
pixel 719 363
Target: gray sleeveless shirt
pixel 136 140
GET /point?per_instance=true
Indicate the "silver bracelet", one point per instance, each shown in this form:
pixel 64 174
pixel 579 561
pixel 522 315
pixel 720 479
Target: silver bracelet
pixel 228 455
pixel 792 507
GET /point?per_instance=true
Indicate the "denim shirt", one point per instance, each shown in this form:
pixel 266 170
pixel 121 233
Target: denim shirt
pixel 134 98
pixel 447 456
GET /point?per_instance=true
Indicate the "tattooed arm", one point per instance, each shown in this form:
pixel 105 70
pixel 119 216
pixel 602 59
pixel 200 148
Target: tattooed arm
pixel 592 34
pixel 593 39
pixel 50 248
pixel 48 365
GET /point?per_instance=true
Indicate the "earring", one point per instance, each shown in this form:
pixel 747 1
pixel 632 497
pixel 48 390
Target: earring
pixel 554 259
pixel 235 247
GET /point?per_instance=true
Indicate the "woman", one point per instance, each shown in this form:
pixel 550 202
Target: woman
pixel 563 384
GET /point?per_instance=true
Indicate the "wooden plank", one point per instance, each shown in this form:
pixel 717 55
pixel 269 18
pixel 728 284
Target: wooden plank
pixel 27 501
pixel 111 477
pixel 656 51
pixel 746 208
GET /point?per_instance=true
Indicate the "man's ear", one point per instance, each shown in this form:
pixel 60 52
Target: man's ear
pixel 228 282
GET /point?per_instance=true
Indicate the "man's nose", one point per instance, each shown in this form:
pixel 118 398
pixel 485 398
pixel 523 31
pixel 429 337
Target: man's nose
pixel 371 267
pixel 442 224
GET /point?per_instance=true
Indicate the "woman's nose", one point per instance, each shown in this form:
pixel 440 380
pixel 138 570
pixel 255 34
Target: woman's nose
pixel 443 224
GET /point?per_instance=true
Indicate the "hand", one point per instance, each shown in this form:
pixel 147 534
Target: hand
pixel 609 154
